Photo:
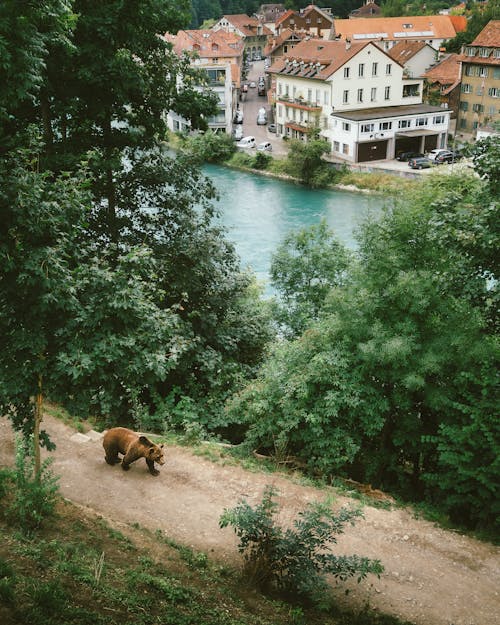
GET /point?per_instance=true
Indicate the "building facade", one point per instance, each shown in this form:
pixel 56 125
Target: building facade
pixel 356 97
pixel 252 31
pixel 317 22
pixel 220 56
pixel 480 87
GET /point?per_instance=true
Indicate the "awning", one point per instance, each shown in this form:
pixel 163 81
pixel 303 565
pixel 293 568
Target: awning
pixel 416 133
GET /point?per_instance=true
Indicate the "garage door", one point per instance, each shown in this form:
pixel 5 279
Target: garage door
pixel 375 151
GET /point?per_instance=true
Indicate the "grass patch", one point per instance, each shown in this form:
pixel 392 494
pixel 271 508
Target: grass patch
pixel 81 571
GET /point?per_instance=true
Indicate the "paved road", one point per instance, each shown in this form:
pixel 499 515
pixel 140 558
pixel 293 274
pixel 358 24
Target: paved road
pixel 250 105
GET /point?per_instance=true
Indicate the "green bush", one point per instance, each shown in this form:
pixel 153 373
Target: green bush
pixel 295 560
pixel 211 147
pixel 34 496
pixel 261 160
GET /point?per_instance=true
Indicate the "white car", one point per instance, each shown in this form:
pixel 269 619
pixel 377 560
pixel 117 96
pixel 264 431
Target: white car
pixel 246 142
pixel 433 154
pixel 265 146
pixel 252 85
pixel 238 133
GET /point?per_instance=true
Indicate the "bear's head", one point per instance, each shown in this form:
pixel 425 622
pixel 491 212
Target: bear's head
pixel 154 452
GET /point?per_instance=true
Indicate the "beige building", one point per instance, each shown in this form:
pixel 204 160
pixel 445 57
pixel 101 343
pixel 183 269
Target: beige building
pixel 480 90
pixel 252 31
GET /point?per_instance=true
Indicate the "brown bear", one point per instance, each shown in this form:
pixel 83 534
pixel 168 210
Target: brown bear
pixel 132 446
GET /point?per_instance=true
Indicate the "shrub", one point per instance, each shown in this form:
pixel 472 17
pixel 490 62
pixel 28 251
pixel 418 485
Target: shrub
pixel 261 160
pixel 34 496
pixel 295 560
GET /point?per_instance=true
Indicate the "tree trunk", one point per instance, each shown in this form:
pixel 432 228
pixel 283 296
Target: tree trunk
pixel 36 428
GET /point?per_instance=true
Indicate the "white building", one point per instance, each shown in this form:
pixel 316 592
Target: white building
pixel 357 97
pixel 220 55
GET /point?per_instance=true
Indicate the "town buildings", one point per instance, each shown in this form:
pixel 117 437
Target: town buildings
pixel 356 97
pixel 220 56
pixel 415 56
pixel 315 21
pixel 442 84
pixel 252 31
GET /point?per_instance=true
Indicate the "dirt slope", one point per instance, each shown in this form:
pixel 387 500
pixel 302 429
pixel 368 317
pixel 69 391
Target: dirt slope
pixel 432 576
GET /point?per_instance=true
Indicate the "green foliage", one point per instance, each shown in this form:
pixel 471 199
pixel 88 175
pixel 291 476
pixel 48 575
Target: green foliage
pixel 210 147
pixel 34 497
pixel 295 560
pixel 304 161
pixel 486 158
pixel 384 386
pixel 303 270
pixel 261 160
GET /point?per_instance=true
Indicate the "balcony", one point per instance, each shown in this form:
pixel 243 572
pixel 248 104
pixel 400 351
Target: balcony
pixel 299 103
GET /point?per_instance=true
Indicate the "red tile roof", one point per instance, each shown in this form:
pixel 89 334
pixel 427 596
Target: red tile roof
pixel 317 58
pixel 207 43
pixel 489 36
pixel 397 28
pixel 247 25
pixel 447 72
pixel 405 50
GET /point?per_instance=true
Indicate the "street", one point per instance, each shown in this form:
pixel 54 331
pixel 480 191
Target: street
pixel 250 105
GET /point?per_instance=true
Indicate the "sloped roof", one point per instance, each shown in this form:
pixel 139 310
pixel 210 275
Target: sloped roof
pixel 247 25
pixel 283 17
pixel 317 59
pixel 403 51
pixel 368 10
pixel 207 43
pixel 489 36
pixel 397 28
pixel 446 72
pixel 278 40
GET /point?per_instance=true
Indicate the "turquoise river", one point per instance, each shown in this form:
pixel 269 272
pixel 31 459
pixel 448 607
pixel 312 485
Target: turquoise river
pixel 258 212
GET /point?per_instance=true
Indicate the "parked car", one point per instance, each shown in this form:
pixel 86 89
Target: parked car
pixel 405 156
pixel 420 163
pixel 238 133
pixel 252 85
pixel 261 90
pixel 448 156
pixel 262 117
pixel 272 127
pixel 238 117
pixel 246 142
pixel 433 154
pixel 265 146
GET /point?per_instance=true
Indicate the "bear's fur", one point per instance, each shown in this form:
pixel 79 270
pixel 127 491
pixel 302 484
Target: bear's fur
pixel 132 446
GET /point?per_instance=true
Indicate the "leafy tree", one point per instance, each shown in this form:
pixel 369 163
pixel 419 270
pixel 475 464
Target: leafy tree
pixel 385 385
pixel 303 270
pixel 210 147
pixel 304 159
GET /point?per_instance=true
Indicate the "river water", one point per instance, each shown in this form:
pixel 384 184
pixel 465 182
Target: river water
pixel 258 212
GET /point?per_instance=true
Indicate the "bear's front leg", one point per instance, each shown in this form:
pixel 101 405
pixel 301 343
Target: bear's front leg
pixel 151 467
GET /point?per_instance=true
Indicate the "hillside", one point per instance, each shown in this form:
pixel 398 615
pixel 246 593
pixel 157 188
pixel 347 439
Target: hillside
pixel 432 576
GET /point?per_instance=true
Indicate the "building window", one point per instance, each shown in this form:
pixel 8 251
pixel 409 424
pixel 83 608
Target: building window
pixel 483 72
pixel 496 73
pixel 367 127
pixel 469 70
pixel 466 88
pixel 388 69
pixel 326 98
pixel 492 110
pixel 494 92
pixel 360 95
pixel 347 71
pixel 484 52
pixel 411 91
pixel 318 96
pixel 336 146
pixel 385 126
pixel 361 70
pixel 479 90
pixel 404 123
pixel 309 95
pixel 346 127
pixel 470 51
pixel 421 121
pixel 463 123
pixel 374 69
pixel 464 106
pixel 345 148
pixel 345 97
pixel 477 108
pixel 387 93
pixel 475 125
pixel 438 119
pixel 373 95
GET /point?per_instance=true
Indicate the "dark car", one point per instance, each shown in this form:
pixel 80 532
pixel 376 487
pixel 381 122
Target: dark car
pixel 272 127
pixel 405 156
pixel 448 157
pixel 421 162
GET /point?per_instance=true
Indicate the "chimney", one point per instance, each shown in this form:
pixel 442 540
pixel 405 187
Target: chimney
pixel 347 44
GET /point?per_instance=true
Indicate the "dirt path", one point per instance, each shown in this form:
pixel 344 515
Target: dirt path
pixel 432 576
